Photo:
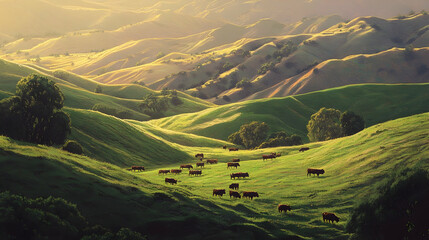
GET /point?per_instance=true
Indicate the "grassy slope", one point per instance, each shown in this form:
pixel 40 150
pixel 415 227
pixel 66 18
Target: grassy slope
pixel 354 165
pixel 376 103
pixel 79 91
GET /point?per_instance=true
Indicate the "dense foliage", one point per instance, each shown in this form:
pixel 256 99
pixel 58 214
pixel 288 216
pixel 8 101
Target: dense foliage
pixel 281 138
pixel 50 218
pixel 34 114
pixel 119 113
pixel 329 123
pixel 351 123
pixel 250 135
pixel 324 125
pixel 73 147
pixel 400 210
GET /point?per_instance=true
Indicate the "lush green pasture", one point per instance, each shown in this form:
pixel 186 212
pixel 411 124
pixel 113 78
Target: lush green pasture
pixel 375 102
pixel 114 196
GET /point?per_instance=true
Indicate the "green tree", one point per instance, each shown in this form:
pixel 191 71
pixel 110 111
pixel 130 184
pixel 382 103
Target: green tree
pixel 73 147
pixel 351 123
pixel 38 102
pixel 250 135
pixel 324 125
pixel 397 211
pixel 98 89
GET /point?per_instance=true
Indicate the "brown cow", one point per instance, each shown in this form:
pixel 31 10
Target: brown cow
pixel 195 172
pixel 284 208
pixel 163 171
pixel 250 195
pixel 200 164
pixel 234 194
pixel 330 217
pixel 239 175
pixel 200 155
pixel 137 168
pixel 218 192
pixel 211 161
pixel 236 160
pixel 304 149
pixel 276 154
pixel 233 149
pixel 172 181
pixel 188 166
pixel 224 147
pixel 234 186
pixel 314 171
pixel 176 171
pixel 268 156
pixel 233 164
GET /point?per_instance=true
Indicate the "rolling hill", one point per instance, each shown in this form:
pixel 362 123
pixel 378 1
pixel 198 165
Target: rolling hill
pixel 354 165
pixel 79 91
pixel 376 103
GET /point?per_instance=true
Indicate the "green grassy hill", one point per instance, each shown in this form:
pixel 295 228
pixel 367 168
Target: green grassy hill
pixel 79 91
pixel 354 166
pixel 376 103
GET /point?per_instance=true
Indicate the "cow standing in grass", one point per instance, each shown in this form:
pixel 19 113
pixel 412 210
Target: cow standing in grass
pixel 163 171
pixel 233 164
pixel 218 192
pixel 211 161
pixel 234 186
pixel 284 208
pixel 314 171
pixel 233 149
pixel 239 175
pixel 268 156
pixel 172 181
pixel 199 155
pixel 224 147
pixel 195 172
pixel 250 195
pixel 188 166
pixel 330 217
pixel 234 194
pixel 236 160
pixel 176 171
pixel 200 164
pixel 137 168
pixel 304 149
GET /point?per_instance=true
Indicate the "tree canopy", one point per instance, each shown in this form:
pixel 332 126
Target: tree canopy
pixel 250 135
pixel 351 123
pixel 324 125
pixel 34 114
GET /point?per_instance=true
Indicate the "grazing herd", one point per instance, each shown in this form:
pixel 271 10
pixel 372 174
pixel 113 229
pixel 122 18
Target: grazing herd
pixel 330 217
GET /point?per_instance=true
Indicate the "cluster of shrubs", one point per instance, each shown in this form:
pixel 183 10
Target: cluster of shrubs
pixel 254 135
pixel 281 138
pixel 123 114
pixel 51 218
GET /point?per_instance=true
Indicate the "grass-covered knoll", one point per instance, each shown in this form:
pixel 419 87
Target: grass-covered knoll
pixel 375 103
pixel 116 141
pixel 354 166
pixel 79 91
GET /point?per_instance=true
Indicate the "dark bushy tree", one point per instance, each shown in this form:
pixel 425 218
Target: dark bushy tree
pixel 324 125
pixel 73 147
pixel 281 139
pixel 34 114
pixel 399 211
pixel 351 123
pixel 51 218
pixel 251 134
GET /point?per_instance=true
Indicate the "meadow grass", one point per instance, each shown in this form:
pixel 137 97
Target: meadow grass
pixel 112 195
